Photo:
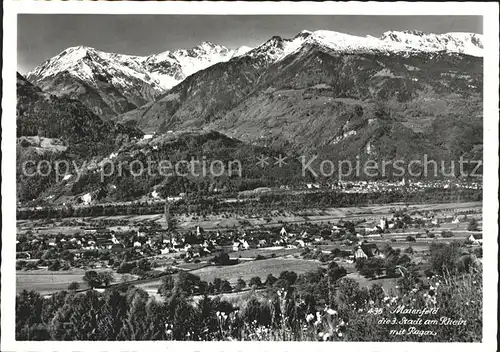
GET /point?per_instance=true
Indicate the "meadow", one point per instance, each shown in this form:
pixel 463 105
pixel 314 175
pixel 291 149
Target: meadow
pixel 245 270
pixel 48 282
pixel 261 268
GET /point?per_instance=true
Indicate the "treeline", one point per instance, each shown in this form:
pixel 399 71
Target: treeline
pixel 318 305
pixel 124 312
pixel 341 199
pixel 201 206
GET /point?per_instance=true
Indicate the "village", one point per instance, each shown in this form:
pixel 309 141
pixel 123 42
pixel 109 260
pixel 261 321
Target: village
pixel 149 250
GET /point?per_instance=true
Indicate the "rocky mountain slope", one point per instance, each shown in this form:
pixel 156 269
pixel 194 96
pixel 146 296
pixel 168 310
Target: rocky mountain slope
pixel 51 128
pixel 45 115
pixel 111 84
pixel 314 92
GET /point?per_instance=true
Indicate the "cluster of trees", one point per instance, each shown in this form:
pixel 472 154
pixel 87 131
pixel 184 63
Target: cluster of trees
pixel 390 263
pixel 98 279
pixel 452 258
pixel 473 225
pixel 134 267
pixel 222 258
pixel 317 254
pixel 444 259
pixel 446 234
pixel 124 312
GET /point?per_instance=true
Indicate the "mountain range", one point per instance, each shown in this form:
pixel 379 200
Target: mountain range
pixel 111 84
pixel 319 89
pixel 322 93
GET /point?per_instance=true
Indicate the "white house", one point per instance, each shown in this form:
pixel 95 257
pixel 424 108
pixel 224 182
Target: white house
pixel 301 243
pixel 236 246
pixel 360 254
pixel 283 232
pixel 240 245
pixel 372 229
pixel 383 223
pixel 86 198
pixel 245 244
pixel 476 239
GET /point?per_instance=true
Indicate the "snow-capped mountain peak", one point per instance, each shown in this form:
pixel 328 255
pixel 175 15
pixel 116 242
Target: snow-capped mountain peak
pixel 66 60
pixel 171 67
pixel 123 81
pixel 278 48
pixel 241 51
pixel 163 70
pixel 465 43
pixel 304 33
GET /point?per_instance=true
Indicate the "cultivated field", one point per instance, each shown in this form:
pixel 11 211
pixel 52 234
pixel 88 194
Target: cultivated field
pixel 261 268
pixel 246 270
pixel 48 282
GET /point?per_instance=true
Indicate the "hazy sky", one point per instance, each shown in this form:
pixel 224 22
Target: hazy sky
pixel 41 36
